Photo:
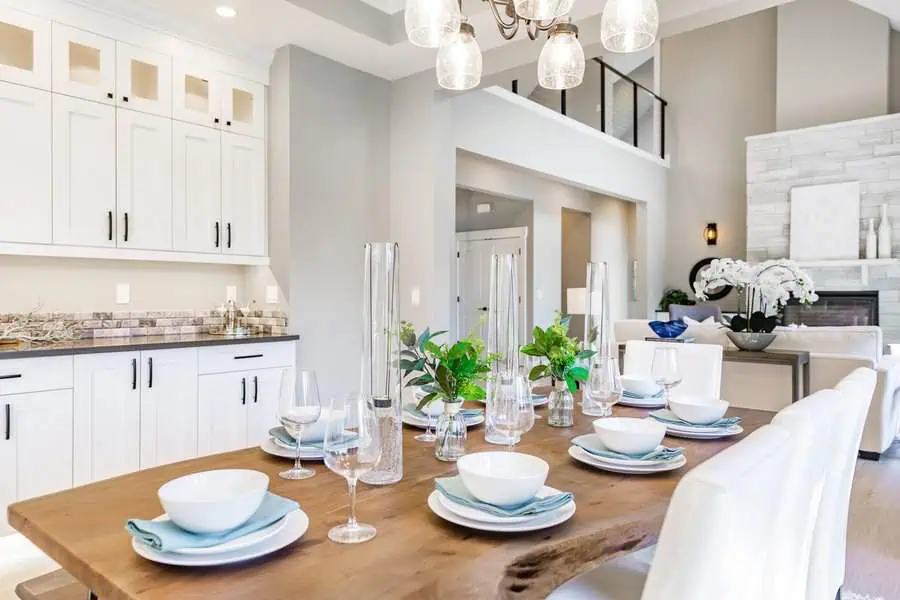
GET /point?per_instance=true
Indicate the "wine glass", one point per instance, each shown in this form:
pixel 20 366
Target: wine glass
pixel 526 363
pixel 513 410
pixel 665 370
pixel 352 447
pixel 604 387
pixel 429 435
pixel 298 406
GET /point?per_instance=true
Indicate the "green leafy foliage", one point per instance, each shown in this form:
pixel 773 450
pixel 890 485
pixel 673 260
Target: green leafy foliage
pixel 561 352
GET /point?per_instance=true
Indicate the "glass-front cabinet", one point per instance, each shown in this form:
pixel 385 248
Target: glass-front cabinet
pixel 244 107
pixel 24 49
pixel 143 80
pixel 84 64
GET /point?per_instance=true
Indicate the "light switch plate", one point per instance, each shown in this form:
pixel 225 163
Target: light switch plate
pixel 231 293
pixel 123 293
pixel 271 294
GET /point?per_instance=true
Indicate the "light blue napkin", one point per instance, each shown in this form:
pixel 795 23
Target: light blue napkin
pixel 636 396
pixel 467 413
pixel 454 489
pixel 281 434
pixel 165 536
pixel 662 453
pixel 670 418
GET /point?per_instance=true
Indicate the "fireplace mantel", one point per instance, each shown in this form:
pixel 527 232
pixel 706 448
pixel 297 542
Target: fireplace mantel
pixel 862 263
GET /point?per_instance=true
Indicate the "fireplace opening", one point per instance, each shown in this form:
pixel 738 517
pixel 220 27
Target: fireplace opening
pixel 840 309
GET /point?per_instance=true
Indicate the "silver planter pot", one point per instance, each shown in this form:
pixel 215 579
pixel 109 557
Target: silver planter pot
pixel 751 341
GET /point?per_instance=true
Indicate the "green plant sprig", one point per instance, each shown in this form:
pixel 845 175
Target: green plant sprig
pixel 560 351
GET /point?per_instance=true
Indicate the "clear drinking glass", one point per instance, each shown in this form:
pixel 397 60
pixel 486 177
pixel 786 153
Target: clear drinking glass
pixel 604 387
pixel 352 448
pixel 513 412
pixel 665 370
pixel 298 406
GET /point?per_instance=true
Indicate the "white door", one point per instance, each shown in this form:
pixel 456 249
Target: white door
pixel 35 446
pixel 197 95
pixel 144 181
pixel 244 194
pixel 84 64
pixel 143 80
pixel 84 172
pixel 244 107
pixel 24 49
pixel 168 406
pixel 222 413
pixel 474 282
pixel 25 165
pixel 262 413
pixel 107 415
pixel 197 199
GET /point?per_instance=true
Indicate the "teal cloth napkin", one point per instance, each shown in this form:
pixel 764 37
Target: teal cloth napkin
pixel 670 418
pixel 283 436
pixel 636 396
pixel 467 413
pixel 454 489
pixel 165 536
pixel 661 453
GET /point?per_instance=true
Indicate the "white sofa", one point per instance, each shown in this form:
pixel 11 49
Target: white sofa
pixel 834 353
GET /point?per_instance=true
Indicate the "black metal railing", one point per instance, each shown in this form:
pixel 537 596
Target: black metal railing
pixel 627 109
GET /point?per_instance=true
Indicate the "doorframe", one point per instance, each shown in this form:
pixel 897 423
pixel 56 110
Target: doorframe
pixel 505 233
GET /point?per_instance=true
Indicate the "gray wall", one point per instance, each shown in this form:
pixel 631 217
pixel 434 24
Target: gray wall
pixel 832 63
pixel 894 93
pixel 720 84
pixel 329 181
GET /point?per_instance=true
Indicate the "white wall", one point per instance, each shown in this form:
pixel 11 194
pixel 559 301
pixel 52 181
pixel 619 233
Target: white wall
pixel 833 63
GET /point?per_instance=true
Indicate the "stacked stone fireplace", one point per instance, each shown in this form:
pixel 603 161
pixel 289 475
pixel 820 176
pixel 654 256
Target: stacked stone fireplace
pixel 867 151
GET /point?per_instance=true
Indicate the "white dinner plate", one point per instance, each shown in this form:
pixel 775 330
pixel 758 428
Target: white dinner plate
pixel 423 424
pixel 538 400
pixel 551 519
pixel 270 446
pixel 242 542
pixel 474 514
pixel 643 402
pixel 623 462
pixel 704 433
pixel 599 463
pixel 296 524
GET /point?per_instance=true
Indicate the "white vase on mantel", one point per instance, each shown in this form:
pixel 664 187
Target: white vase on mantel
pixel 871 241
pixel 884 234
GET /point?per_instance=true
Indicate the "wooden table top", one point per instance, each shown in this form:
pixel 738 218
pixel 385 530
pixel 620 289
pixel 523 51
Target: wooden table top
pixel 415 554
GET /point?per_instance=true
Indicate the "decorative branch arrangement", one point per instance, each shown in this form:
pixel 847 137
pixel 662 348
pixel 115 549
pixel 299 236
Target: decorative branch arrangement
pixel 32 328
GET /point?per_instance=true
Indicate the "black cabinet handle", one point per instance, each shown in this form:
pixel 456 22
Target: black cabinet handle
pixel 217 234
pixel 110 95
pixel 229 235
pixel 150 369
pixel 124 98
pixel 126 227
pixel 134 373
pixel 109 219
pixel 8 421
pixel 255 389
pixel 216 120
pixel 246 356
pixel 228 123
pixel 243 390
pixel 16 376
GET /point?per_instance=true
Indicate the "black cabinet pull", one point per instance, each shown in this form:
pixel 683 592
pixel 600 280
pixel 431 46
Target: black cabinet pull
pixel 8 421
pixel 124 98
pixel 126 227
pixel 110 95
pixel 228 123
pixel 134 373
pixel 150 375
pixel 216 120
pixel 255 389
pixel 246 356
pixel 217 234
pixel 243 390
pixel 16 376
pixel 109 219
pixel 229 235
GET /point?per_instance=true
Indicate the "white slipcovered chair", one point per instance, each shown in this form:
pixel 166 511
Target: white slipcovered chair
pixel 20 560
pixel 700 366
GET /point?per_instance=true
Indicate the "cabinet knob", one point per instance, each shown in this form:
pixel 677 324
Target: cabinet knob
pixel 228 123
pixel 110 95
pixel 216 120
pixel 124 98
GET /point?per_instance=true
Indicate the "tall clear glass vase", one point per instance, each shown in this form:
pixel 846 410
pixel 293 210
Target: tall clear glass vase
pixel 503 336
pixel 381 358
pixel 604 385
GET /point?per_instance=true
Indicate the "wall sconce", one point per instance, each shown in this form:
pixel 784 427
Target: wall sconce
pixel 711 234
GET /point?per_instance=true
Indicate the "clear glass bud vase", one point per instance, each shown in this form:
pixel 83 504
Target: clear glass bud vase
pixel 562 406
pixel 450 444
pixel 503 336
pixel 604 386
pixel 381 358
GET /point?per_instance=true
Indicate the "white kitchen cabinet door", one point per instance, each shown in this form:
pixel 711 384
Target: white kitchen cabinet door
pixel 107 415
pixel 25 165
pixel 222 414
pixel 262 414
pixel 197 200
pixel 144 181
pixel 84 172
pixel 196 95
pixel 143 80
pixel 35 447
pixel 84 64
pixel 244 107
pixel 24 49
pixel 168 406
pixel 244 194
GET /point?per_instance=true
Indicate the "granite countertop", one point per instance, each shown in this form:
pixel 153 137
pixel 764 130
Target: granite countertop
pixel 124 344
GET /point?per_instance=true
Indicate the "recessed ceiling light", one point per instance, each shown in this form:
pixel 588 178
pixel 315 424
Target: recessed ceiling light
pixel 226 11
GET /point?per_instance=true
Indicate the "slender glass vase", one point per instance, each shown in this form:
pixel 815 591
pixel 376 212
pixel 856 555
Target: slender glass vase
pixel 450 444
pixel 561 407
pixel 503 337
pixel 603 387
pixel 381 358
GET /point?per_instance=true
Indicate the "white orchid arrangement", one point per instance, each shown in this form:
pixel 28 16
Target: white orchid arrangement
pixel 767 286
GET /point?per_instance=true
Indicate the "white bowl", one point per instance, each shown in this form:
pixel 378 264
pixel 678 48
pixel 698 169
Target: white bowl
pixel 698 410
pixel 214 501
pixel 503 478
pixel 642 386
pixel 630 436
pixel 315 432
pixel 434 408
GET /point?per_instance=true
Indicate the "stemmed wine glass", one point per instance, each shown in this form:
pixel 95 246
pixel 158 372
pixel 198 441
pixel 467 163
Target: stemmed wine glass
pixel 352 447
pixel 513 410
pixel 526 363
pixel 665 370
pixel 604 387
pixel 429 435
pixel 298 406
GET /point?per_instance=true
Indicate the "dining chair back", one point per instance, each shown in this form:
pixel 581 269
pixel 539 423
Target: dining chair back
pixel 698 312
pixel 720 525
pixel 829 543
pixel 700 366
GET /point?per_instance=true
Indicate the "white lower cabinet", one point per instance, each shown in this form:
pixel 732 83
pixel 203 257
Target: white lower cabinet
pixel 168 406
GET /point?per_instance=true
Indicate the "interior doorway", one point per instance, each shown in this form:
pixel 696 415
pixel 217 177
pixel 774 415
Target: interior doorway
pixel 576 254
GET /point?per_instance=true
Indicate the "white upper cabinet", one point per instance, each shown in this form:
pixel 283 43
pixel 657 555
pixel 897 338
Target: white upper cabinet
pixel 25 165
pixel 168 406
pixel 197 95
pixel 24 49
pixel 84 64
pixel 144 154
pixel 197 199
pixel 244 107
pixel 244 194
pixel 143 80
pixel 84 172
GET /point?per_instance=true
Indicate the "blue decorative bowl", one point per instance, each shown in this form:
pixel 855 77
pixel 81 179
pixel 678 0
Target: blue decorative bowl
pixel 668 329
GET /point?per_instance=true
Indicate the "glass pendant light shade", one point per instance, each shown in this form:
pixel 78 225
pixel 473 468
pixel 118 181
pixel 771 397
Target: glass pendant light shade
pixel 629 25
pixel 459 63
pixel 561 66
pixel 428 21
pixel 543 10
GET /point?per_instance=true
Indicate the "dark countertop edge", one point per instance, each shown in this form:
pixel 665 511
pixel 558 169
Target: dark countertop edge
pixel 132 345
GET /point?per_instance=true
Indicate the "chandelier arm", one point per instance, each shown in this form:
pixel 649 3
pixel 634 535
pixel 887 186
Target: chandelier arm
pixel 532 28
pixel 507 29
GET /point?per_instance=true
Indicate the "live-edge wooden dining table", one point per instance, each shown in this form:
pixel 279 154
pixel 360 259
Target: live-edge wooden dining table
pixel 416 555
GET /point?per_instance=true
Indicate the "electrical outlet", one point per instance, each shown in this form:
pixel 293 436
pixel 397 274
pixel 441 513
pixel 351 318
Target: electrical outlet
pixel 231 293
pixel 271 294
pixel 123 293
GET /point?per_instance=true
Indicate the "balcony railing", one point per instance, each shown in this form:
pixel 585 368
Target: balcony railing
pixel 613 102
